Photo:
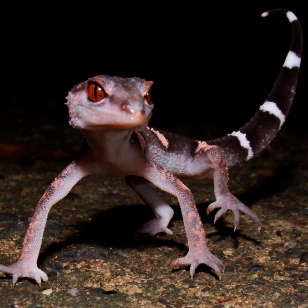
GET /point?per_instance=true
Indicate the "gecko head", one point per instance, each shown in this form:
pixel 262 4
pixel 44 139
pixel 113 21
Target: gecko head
pixel 110 102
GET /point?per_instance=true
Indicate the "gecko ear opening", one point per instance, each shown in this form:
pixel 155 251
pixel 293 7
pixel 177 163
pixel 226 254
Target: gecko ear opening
pixel 95 92
pixel 148 97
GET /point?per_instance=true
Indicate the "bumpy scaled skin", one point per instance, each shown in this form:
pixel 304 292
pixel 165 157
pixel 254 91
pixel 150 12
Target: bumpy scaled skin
pixel 113 114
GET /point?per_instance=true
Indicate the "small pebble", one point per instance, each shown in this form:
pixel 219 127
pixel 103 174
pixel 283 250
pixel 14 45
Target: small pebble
pixel 47 292
pixel 73 292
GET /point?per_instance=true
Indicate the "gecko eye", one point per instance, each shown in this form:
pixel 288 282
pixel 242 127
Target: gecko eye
pixel 95 92
pixel 148 97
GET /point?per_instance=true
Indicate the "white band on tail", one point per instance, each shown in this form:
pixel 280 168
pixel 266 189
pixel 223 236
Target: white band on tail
pixel 273 109
pixel 292 60
pixel 291 16
pixel 244 142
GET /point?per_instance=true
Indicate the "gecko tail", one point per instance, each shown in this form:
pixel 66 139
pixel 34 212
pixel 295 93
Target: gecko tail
pixel 255 135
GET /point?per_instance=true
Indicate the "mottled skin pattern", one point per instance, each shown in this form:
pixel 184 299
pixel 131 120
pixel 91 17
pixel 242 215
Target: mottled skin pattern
pixel 113 114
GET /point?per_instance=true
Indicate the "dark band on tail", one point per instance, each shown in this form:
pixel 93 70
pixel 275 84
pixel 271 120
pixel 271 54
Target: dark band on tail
pixel 249 140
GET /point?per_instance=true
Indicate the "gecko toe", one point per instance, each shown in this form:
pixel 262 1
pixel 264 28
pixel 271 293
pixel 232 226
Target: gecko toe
pixel 168 231
pixel 155 226
pixel 39 276
pixel 242 207
pixel 37 279
pixel 193 267
pixel 220 213
pixel 213 206
pixel 15 278
pixel 236 218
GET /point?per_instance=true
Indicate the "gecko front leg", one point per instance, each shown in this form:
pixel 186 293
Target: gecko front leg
pixel 198 252
pixel 26 266
pixel 160 208
pixel 224 199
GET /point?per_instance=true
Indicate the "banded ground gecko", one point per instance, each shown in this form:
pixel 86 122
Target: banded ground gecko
pixel 113 114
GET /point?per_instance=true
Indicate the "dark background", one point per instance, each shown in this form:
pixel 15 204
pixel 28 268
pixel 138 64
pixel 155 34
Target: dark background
pixel 216 59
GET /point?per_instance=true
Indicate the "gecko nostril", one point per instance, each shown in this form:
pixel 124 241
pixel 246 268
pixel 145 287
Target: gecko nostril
pixel 137 108
pixel 127 107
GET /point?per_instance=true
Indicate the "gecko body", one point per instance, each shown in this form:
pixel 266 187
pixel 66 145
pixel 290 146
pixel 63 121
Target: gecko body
pixel 113 114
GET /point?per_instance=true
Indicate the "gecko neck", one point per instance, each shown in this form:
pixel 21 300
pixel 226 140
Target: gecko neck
pixel 110 151
pixel 106 139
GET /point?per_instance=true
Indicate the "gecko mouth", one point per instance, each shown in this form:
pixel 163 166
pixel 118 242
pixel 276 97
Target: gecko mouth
pixel 85 118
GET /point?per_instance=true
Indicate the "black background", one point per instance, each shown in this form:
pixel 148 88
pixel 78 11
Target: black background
pixel 210 58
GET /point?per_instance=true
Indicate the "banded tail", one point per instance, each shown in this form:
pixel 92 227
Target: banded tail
pixel 249 140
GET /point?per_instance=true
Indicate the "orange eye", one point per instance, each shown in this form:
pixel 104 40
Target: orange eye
pixel 148 97
pixel 95 92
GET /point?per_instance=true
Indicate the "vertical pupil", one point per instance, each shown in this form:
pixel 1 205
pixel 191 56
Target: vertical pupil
pixel 96 92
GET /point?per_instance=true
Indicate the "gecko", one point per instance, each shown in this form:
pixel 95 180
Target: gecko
pixel 113 114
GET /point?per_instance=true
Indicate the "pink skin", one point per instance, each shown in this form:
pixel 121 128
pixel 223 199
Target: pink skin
pixel 112 149
pixel 26 266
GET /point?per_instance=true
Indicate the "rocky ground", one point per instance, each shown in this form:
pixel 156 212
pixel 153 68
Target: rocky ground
pixel 91 253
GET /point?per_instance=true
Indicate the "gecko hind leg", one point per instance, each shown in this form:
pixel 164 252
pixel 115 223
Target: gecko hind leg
pixel 162 211
pixel 225 201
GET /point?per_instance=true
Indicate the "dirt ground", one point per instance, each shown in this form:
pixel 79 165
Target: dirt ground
pixel 90 250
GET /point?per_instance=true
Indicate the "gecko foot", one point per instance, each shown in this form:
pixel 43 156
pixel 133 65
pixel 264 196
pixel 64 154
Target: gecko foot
pixel 195 258
pixel 22 269
pixel 163 213
pixel 155 226
pixel 229 202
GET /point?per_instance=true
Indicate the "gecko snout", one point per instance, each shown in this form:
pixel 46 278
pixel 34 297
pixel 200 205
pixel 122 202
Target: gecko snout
pixel 136 108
